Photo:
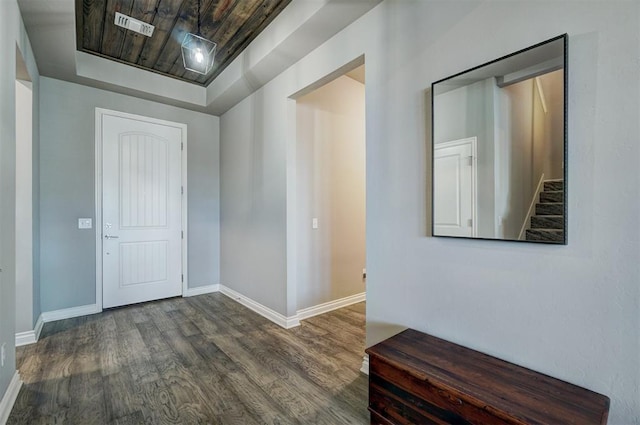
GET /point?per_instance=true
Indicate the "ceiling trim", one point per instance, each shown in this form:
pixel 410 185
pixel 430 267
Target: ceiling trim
pixel 299 29
pixel 116 73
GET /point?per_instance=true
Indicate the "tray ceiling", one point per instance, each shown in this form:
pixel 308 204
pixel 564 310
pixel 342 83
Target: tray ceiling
pixel 232 24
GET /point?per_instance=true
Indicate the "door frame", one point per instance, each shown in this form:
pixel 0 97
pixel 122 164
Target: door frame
pixel 99 113
pixel 473 141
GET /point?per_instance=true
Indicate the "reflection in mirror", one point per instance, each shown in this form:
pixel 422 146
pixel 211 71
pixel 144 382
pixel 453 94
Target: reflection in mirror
pixel 499 148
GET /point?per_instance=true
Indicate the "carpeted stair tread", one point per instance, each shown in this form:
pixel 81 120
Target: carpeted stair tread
pixel 547 235
pixel 547 222
pixel 550 185
pixel 551 208
pixel 551 196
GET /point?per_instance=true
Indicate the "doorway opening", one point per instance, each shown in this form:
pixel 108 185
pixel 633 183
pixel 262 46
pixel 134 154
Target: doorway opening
pixel 328 211
pixel 24 201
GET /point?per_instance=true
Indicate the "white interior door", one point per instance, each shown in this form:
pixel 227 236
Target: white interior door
pixel 454 188
pixel 141 211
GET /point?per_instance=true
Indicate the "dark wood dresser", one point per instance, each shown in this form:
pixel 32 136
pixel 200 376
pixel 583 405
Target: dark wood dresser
pixel 416 378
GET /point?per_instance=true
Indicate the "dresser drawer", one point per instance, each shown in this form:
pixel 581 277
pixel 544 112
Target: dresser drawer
pixel 401 407
pixel 376 419
pixel 408 400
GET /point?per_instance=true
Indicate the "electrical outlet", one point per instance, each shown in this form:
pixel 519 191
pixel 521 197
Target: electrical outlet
pixel 3 354
pixel 84 223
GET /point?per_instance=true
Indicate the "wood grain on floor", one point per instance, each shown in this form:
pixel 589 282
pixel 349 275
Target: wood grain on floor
pixel 199 360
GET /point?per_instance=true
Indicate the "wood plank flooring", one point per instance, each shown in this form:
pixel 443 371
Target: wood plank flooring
pixel 199 360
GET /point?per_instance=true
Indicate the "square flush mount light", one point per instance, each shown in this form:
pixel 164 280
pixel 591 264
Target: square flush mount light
pixel 198 53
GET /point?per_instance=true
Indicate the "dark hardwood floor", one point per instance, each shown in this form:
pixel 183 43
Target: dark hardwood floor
pixel 200 360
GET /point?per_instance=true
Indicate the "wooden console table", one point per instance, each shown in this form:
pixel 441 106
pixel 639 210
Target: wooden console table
pixel 416 378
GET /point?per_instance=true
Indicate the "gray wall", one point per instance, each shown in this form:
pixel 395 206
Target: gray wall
pixel 35 213
pixel 568 311
pixel 67 255
pixel 253 218
pixel 12 33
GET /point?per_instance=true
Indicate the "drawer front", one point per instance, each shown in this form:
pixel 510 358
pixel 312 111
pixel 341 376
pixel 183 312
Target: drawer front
pixel 402 408
pixel 420 396
pixel 377 419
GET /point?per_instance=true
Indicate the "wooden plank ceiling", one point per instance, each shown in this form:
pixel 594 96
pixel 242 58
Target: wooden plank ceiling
pixel 232 24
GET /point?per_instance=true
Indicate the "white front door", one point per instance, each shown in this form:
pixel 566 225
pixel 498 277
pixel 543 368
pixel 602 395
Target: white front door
pixel 141 211
pixel 454 188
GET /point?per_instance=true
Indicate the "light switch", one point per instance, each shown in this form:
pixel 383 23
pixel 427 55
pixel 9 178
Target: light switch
pixel 84 223
pixel 314 223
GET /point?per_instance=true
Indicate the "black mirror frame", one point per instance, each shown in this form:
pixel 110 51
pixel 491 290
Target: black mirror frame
pixel 565 38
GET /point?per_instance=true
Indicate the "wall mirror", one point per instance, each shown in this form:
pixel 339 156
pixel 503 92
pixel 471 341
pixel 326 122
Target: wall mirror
pixel 499 148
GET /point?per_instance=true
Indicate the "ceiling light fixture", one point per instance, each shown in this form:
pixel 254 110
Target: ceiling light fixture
pixel 198 52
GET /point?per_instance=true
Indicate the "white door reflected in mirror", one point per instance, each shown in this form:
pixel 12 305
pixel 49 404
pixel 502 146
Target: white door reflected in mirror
pixel 455 189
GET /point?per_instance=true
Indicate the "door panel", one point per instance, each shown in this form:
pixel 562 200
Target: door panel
pixel 143 262
pixel 144 188
pixel 142 211
pixel 453 189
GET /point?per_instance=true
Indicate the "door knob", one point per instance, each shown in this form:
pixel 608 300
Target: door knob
pixel 110 237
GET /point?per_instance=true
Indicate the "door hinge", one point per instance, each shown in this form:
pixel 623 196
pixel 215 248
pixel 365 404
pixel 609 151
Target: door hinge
pixel 182 190
pixel 182 234
pixel 470 161
pixel 182 277
pixel 470 222
pixel 181 146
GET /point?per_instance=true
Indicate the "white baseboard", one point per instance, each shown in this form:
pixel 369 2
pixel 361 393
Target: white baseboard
pixel 291 321
pixel 274 316
pixel 25 338
pixel 200 290
pixel 365 365
pixel 38 327
pixel 68 313
pixel 330 306
pixel 6 404
pixel 30 337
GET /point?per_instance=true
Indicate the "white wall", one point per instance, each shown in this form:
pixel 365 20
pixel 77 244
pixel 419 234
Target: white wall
pixel 24 207
pixel 515 156
pixel 540 139
pixel 12 34
pixel 551 85
pixel 331 187
pixel 67 189
pixel 569 311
